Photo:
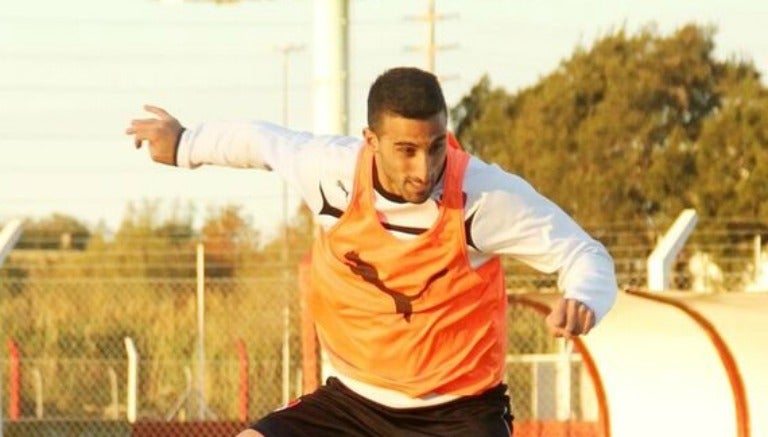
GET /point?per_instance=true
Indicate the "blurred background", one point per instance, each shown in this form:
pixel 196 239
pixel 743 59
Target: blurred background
pixel 142 299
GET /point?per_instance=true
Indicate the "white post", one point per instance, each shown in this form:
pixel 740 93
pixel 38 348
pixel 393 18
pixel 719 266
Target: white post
pixel 8 238
pixel 114 414
pixel 758 248
pixel 563 381
pixel 201 329
pixel 38 381
pixel 330 67
pixel 133 380
pixel 661 259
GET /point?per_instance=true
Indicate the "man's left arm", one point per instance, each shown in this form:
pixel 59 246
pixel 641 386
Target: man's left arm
pixel 513 219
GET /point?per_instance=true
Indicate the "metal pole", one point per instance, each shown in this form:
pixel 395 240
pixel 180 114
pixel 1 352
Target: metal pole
pixel 201 329
pixel 286 346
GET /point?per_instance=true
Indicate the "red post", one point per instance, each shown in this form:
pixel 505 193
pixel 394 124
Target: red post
pixel 309 345
pixel 242 357
pixel 14 395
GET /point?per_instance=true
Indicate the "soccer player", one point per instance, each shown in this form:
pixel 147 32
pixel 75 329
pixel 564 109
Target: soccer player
pixel 407 288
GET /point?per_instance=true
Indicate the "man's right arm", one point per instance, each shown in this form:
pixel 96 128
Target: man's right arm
pixel 303 160
pixel 240 144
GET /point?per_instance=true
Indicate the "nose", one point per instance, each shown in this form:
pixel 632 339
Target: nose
pixel 421 168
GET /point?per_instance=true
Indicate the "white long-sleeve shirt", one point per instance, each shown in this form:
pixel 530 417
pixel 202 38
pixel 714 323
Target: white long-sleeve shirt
pixel 504 214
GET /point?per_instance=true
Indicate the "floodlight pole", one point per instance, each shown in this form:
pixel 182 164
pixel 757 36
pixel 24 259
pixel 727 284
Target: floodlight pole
pixel 201 329
pixel 286 51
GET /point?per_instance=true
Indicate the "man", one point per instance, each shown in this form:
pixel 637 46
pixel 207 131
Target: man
pixel 408 291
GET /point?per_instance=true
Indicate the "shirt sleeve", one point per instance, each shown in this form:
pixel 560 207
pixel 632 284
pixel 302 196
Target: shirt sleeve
pixel 513 219
pixel 301 159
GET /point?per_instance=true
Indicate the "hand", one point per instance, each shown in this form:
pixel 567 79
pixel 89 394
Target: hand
pixel 161 133
pixel 570 318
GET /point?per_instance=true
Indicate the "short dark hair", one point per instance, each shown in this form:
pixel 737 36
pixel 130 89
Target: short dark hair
pixel 407 92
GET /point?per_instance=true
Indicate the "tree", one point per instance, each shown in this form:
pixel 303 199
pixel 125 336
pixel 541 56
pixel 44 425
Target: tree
pixel 629 128
pixel 57 231
pixel 230 241
pixel 733 148
pixel 150 246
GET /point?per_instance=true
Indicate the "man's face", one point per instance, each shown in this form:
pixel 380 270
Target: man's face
pixel 410 154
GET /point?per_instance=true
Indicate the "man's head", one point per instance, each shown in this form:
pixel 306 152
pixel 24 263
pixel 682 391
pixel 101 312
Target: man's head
pixel 407 120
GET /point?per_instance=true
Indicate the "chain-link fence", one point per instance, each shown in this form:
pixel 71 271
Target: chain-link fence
pixel 94 338
pixel 70 353
pixel 71 318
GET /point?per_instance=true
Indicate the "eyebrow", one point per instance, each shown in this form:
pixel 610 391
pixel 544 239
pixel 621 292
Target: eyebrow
pixel 411 144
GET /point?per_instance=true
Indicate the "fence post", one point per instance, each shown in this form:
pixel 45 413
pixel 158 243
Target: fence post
pixel 202 407
pixel 310 366
pixel 115 413
pixel 242 358
pixel 758 255
pixel 133 379
pixel 14 395
pixel 39 405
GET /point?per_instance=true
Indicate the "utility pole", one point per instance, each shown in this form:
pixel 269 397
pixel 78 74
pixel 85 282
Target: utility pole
pixel 431 47
pixel 286 51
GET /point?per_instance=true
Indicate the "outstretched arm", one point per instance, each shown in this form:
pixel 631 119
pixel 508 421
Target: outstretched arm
pixel 162 134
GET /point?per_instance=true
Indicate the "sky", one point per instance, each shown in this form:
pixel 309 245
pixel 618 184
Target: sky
pixel 74 73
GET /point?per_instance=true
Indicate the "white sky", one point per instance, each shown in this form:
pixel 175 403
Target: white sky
pixel 74 72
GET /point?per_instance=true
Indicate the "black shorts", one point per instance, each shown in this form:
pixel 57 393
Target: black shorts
pixel 335 410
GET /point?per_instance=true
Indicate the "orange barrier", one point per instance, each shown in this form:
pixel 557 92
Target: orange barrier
pixel 543 428
pixel 157 429
pixel 725 355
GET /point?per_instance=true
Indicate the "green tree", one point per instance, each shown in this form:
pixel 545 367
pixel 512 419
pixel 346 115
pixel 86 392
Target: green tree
pixel 57 231
pixel 617 132
pixel 732 151
pixel 150 246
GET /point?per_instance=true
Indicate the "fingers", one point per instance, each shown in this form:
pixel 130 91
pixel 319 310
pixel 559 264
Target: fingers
pixel 160 112
pixel 140 127
pixel 587 319
pixel 161 134
pixel 556 319
pixel 558 315
pixel 570 318
pixel 141 130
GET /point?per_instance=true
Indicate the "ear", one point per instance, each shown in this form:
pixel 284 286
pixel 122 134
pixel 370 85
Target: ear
pixel 370 138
